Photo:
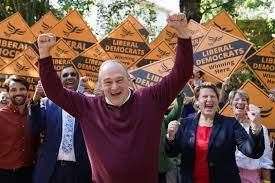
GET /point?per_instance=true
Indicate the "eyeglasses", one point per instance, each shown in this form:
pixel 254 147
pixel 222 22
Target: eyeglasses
pixel 72 74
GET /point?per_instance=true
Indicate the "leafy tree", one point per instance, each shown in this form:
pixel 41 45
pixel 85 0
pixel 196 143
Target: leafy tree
pixel 82 6
pixel 30 10
pixel 111 14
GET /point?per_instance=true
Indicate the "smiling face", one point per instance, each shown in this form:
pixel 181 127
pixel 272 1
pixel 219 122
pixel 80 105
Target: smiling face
pixel 4 98
pixel 114 82
pixel 207 102
pixel 69 78
pixel 18 93
pixel 239 105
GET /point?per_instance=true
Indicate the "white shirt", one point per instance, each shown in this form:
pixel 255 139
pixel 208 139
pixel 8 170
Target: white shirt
pixel 66 149
pixel 265 161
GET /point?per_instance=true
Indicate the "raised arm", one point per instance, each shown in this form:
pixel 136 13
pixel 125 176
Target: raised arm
pixel 70 101
pixel 253 143
pixel 164 92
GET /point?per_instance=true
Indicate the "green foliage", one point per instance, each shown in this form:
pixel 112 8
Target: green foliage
pixel 209 8
pixel 258 31
pixel 110 15
pixel 82 6
pixel 30 10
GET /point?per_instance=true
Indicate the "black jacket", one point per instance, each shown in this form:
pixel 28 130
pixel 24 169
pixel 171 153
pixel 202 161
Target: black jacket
pixel 227 134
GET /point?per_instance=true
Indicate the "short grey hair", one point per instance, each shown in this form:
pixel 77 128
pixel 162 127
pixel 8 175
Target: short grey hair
pixel 113 62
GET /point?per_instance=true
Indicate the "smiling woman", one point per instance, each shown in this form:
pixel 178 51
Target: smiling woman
pixel 208 141
pixel 245 113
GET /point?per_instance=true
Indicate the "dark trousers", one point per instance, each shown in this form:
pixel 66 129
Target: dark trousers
pixel 162 177
pixel 20 175
pixel 66 172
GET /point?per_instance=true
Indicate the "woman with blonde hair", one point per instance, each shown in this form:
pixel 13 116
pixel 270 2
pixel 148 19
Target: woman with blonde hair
pixel 250 169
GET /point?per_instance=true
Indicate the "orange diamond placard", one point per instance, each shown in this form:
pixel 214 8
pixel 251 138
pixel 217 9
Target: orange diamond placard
pixel 15 36
pixel 151 74
pixel 220 53
pixel 75 31
pixel 89 61
pixel 62 55
pixel 167 34
pixel 259 98
pixel 21 66
pixel 262 64
pixel 32 55
pixel 162 50
pixel 198 32
pixel 125 44
pixel 47 22
pixel 225 23
pixel 142 30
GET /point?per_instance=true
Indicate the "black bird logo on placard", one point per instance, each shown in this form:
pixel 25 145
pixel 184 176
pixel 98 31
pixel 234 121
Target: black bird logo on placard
pixel 273 49
pixel 164 68
pixel 193 32
pixel 72 29
pixel 162 53
pixel 13 30
pixel 170 36
pixel 126 32
pixel 97 53
pixel 60 51
pixel 266 112
pixel 223 28
pixel 20 68
pixel 213 40
pixel 45 26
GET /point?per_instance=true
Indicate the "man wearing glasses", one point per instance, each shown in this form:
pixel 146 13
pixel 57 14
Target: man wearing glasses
pixel 62 156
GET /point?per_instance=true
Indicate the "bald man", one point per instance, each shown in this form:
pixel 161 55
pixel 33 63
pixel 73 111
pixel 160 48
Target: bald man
pixel 121 127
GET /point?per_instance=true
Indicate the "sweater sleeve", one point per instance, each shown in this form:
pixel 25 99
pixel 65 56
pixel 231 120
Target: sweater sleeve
pixel 167 89
pixel 71 101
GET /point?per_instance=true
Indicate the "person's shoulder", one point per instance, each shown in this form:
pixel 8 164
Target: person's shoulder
pixel 226 120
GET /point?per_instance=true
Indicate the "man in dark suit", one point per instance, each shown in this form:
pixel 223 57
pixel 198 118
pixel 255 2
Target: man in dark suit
pixel 62 157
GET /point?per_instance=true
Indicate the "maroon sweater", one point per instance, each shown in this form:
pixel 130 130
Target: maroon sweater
pixel 122 142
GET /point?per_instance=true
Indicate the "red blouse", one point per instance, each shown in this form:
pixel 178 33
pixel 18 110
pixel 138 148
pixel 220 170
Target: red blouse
pixel 201 172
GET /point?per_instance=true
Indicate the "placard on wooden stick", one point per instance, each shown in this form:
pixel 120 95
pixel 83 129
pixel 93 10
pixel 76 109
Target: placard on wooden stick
pixel 220 53
pixel 162 50
pixel 89 62
pixel 75 31
pixel 262 64
pixel 259 98
pixel 46 22
pixel 125 44
pixel 62 54
pixel 15 37
pixel 21 66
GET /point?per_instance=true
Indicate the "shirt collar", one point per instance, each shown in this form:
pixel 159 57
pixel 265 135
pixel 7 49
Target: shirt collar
pixel 110 103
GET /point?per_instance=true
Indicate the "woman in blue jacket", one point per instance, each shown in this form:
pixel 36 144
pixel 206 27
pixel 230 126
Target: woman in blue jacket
pixel 208 141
